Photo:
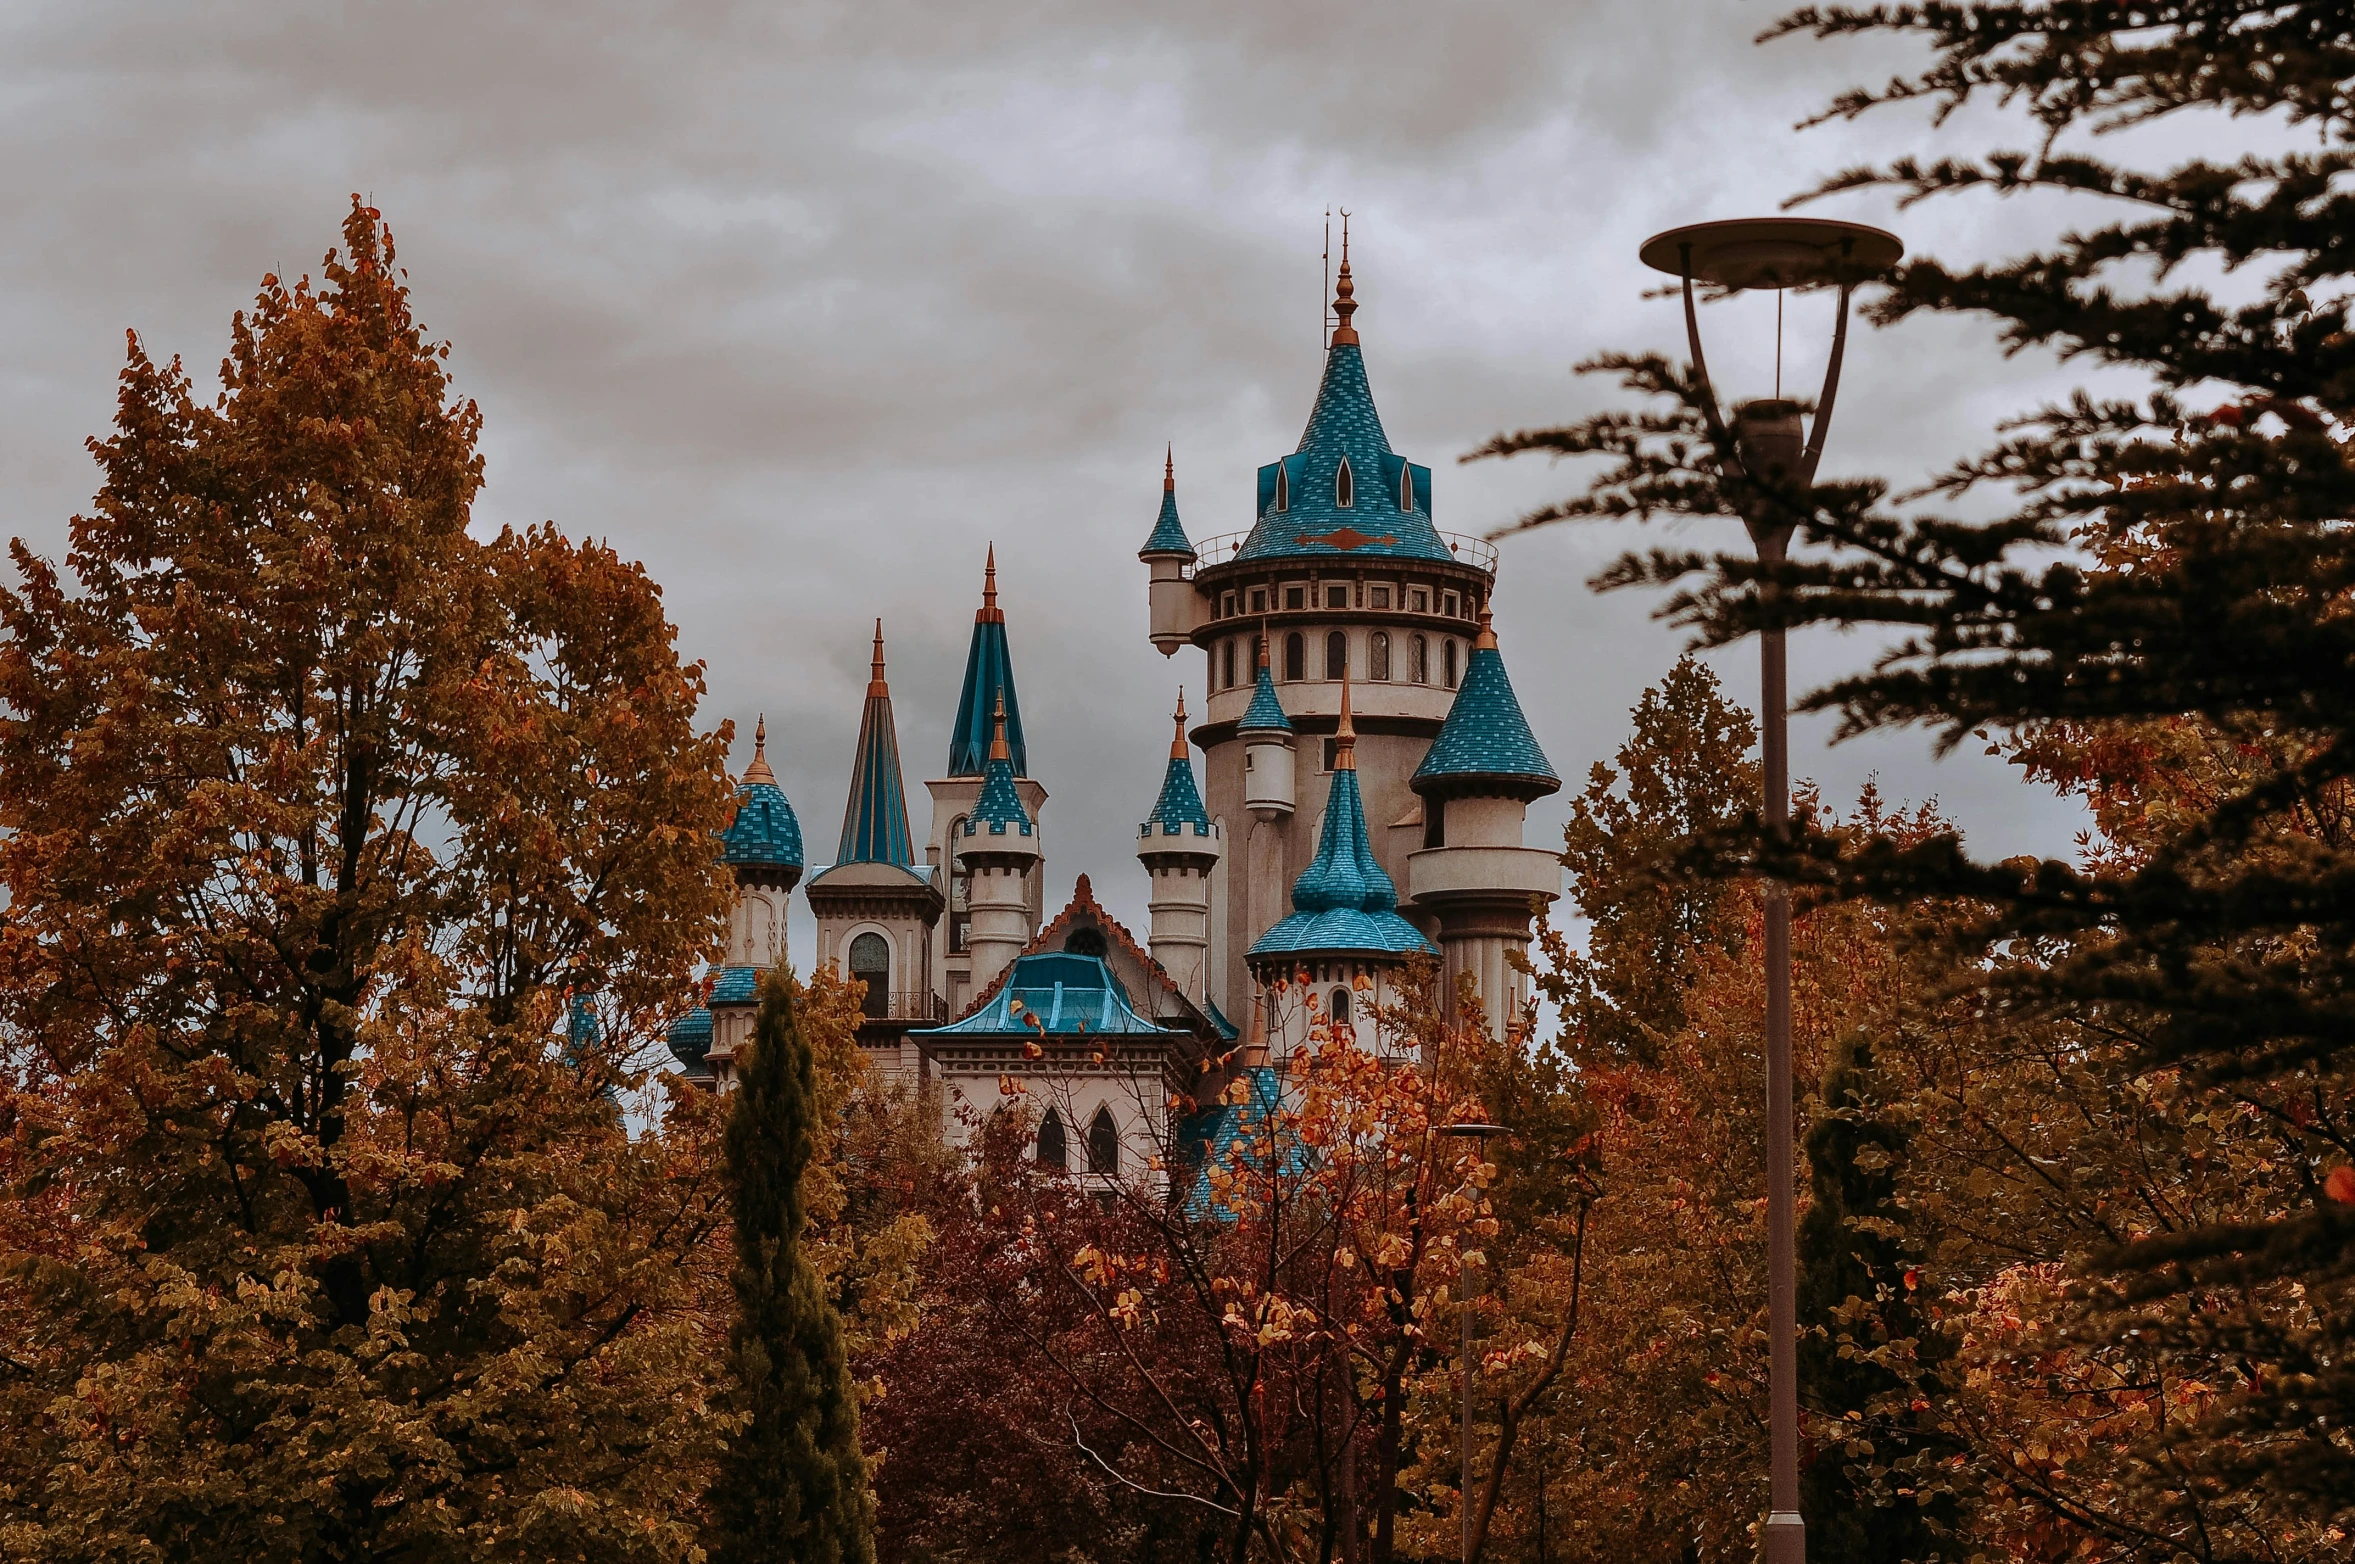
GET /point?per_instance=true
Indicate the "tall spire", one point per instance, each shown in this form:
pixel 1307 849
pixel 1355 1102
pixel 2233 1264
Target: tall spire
pixel 1180 803
pixel 989 681
pixel 759 770
pixel 875 823
pixel 997 732
pixel 1344 294
pixel 1177 743
pixel 1345 736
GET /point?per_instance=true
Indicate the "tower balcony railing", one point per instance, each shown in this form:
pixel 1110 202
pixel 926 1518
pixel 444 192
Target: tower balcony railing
pixel 905 1004
pixel 1477 552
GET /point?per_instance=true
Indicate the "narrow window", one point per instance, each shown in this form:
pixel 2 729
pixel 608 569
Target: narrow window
pixel 1332 753
pixel 1418 664
pixel 1103 1143
pixel 1051 1150
pixel 1406 487
pixel 1337 597
pixel 1449 659
pixel 1295 597
pixel 1336 656
pixel 1295 657
pixel 1344 486
pixel 1447 606
pixel 1378 657
pixel 1259 600
pixel 1381 597
pixel 1283 489
pixel 1226 606
pixel 1226 665
pixel 1340 1007
pixel 1434 822
pixel 1419 600
pixel 870 963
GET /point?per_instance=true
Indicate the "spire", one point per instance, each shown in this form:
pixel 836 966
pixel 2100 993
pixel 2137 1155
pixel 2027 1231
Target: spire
pixel 1345 736
pixel 1344 295
pixel 1177 743
pixel 999 809
pixel 1169 468
pixel 1485 748
pixel 997 732
pixel 1169 534
pixel 759 770
pixel 1266 712
pixel 875 823
pixel 1180 803
pixel 1486 641
pixel 989 682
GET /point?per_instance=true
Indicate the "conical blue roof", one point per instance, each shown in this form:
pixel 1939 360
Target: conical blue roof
pixel 1265 714
pixel 875 822
pixel 1180 803
pixel 1308 508
pixel 989 677
pixel 1485 742
pixel 1344 901
pixel 998 812
pixel 1169 534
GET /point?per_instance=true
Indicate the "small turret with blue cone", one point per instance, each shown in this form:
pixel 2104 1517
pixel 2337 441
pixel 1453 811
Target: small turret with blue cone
pixel 762 845
pixel 1180 849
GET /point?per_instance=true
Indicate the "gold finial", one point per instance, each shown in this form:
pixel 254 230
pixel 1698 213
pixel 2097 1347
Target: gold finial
pixel 875 684
pixel 759 770
pixel 1344 293
pixel 997 734
pixel 1169 469
pixel 1486 641
pixel 1345 736
pixel 989 612
pixel 1263 646
pixel 1177 745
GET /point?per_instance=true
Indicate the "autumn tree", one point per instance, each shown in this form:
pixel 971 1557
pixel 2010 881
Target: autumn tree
pixel 320 814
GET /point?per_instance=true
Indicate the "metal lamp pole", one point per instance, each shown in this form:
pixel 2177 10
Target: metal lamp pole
pixel 1776 453
pixel 1478 1135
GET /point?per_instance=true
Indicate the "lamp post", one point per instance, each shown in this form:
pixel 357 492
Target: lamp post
pixel 1478 1135
pixel 1775 453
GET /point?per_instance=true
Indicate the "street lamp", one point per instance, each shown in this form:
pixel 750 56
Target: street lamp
pixel 1477 1134
pixel 1774 451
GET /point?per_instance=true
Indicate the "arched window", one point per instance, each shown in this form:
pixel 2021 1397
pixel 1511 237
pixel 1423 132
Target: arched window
pixel 1406 487
pixel 1086 942
pixel 1051 1152
pixel 1103 1143
pixel 1378 656
pixel 1340 1008
pixel 1226 665
pixel 1295 657
pixel 870 963
pixel 1344 486
pixel 1283 489
pixel 1448 658
pixel 1418 660
pixel 1336 656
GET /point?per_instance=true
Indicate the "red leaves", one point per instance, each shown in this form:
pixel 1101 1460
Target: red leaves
pixel 2340 1185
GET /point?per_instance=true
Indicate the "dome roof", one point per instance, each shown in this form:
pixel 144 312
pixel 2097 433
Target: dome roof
pixel 1485 746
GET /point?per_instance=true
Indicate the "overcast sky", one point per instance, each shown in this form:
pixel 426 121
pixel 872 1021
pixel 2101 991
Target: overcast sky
pixel 805 304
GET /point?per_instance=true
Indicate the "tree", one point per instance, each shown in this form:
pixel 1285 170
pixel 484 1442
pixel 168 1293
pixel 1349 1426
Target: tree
pixel 2177 557
pixel 317 809
pixel 793 1484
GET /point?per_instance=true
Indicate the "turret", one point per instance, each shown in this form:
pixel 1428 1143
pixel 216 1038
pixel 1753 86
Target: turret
pixel 1179 848
pixel 1172 606
pixel 997 849
pixel 1267 748
pixel 762 845
pixel 1473 876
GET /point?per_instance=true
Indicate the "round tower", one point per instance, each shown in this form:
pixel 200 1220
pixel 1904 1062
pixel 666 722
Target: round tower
pixel 1266 735
pixel 1180 849
pixel 997 849
pixel 762 845
pixel 1171 605
pixel 1473 877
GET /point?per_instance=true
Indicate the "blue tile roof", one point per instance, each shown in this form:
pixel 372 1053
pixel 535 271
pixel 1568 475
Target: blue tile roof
pixel 690 1037
pixel 998 811
pixel 1344 902
pixel 1239 1134
pixel 875 822
pixel 1071 995
pixel 765 830
pixel 736 986
pixel 1486 738
pixel 1169 534
pixel 989 675
pixel 1265 713
pixel 1180 803
pixel 1389 514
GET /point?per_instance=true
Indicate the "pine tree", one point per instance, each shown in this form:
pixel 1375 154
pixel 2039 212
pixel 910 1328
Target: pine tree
pixel 1868 1352
pixel 792 1488
pixel 2182 556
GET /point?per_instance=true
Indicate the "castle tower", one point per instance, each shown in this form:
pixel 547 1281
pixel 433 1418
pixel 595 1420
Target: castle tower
pixel 1180 850
pixel 997 852
pixel 1344 942
pixel 989 680
pixel 1473 876
pixel 876 909
pixel 1341 577
pixel 1170 597
pixel 762 845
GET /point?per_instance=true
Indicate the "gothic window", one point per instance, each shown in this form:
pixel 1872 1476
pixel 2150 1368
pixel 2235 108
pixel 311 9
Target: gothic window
pixel 1086 942
pixel 1340 1008
pixel 1283 489
pixel 1051 1152
pixel 1295 657
pixel 870 963
pixel 1406 487
pixel 1226 665
pixel 1336 656
pixel 1418 666
pixel 1378 656
pixel 1344 486
pixel 1448 658
pixel 1103 1143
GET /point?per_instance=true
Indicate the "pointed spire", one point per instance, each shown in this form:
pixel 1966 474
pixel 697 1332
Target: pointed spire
pixel 759 770
pixel 1486 641
pixel 997 732
pixel 1266 711
pixel 999 808
pixel 1485 749
pixel 989 682
pixel 1169 534
pixel 1180 803
pixel 1345 736
pixel 875 823
pixel 1169 469
pixel 1344 294
pixel 1177 744
pixel 989 612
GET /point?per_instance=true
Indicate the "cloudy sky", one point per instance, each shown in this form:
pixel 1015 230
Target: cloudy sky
pixel 805 304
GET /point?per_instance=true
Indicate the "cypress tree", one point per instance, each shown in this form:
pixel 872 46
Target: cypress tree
pixel 792 1488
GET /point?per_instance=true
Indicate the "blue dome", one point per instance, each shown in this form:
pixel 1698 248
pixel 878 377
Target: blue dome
pixel 1485 744
pixel 1344 902
pixel 690 1037
pixel 765 831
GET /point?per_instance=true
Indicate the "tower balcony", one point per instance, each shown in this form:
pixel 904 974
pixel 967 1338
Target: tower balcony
pixel 1476 552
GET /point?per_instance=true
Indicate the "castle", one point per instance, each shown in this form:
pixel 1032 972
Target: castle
pixel 1366 771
